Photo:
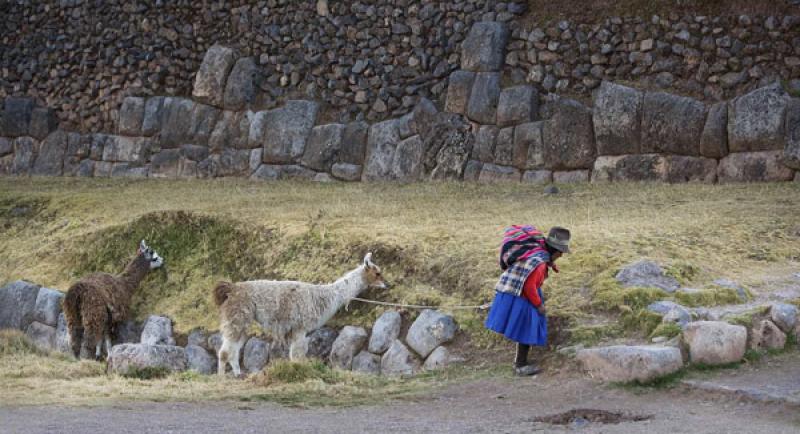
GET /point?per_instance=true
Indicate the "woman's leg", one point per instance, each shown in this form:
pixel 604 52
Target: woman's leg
pixel 522 355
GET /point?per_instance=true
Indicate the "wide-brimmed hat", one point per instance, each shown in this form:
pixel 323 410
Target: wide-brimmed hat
pixel 558 238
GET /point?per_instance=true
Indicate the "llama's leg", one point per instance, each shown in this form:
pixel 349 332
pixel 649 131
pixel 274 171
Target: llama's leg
pixel 236 348
pixel 75 339
pixel 223 355
pixel 108 344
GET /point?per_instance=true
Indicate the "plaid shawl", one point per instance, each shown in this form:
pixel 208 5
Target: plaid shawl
pixel 521 252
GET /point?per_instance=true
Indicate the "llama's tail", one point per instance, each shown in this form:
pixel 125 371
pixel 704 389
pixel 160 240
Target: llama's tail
pixel 222 291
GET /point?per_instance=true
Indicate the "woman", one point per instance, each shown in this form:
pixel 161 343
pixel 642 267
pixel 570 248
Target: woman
pixel 518 311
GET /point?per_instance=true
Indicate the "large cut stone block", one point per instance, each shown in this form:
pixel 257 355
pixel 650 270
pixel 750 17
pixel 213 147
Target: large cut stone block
pixel 617 119
pixel 211 78
pixel 484 48
pixel 483 99
pixel 756 120
pixel 671 124
pixel 459 87
pixel 286 130
pixel 517 104
pixel 754 166
pixel 568 136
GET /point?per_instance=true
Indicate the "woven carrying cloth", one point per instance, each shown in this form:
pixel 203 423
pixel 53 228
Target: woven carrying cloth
pixel 522 250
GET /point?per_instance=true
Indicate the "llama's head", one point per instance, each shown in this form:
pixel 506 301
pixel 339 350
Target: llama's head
pixel 150 255
pixel 373 273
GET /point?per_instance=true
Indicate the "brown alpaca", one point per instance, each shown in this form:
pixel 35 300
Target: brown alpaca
pixel 97 303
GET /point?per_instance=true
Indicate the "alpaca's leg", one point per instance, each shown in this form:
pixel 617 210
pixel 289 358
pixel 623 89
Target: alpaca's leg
pixel 108 343
pixel 75 339
pixel 236 348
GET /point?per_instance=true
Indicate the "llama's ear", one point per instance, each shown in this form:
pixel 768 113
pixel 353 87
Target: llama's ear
pixel 368 259
pixel 142 246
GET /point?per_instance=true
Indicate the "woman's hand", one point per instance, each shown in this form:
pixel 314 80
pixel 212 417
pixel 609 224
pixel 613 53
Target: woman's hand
pixel 542 310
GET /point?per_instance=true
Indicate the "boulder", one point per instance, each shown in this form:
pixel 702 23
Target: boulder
pixel 381 145
pixel 756 120
pixel 256 355
pixel 447 141
pixel 784 316
pixel 495 173
pixel 537 177
pixel 690 169
pixel 568 136
pixel 152 115
pixel 617 119
pixel 767 336
pixel 128 332
pixel 346 171
pixel 715 342
pixel 157 330
pixel 571 176
pixel 791 151
pixel 286 130
pixel 131 115
pixel 438 359
pixel 204 120
pixel 385 330
pixel 483 98
pixel 48 306
pixel 320 342
pixel 472 170
pixel 483 149
pixel 130 170
pixel 664 306
pixel 349 343
pixel 646 274
pixel 102 169
pixel 128 149
pixel 517 105
pixel 399 360
pixel 753 166
pixel 323 146
pixel 126 357
pixel 354 143
pixel 240 89
pixel 678 315
pixel 194 152
pixel 16 116
pixel 529 149
pixel 17 304
pixel 505 149
pixel 42 336
pixel 50 159
pixel 407 162
pixel 630 363
pixel 6 146
pixel 25 151
pixel 644 167
pixel 231 131
pixel 230 162
pixel 484 47
pixel 211 78
pixel 43 122
pixel 367 363
pixel 176 124
pixel 671 124
pixel 198 359
pixel 198 337
pixel 165 164
pixel 431 329
pixel 714 139
pixel 459 87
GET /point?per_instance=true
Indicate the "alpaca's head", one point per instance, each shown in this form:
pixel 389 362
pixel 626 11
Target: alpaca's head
pixel 150 255
pixel 372 273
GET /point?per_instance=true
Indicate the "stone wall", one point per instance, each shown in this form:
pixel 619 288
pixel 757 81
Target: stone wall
pixel 487 131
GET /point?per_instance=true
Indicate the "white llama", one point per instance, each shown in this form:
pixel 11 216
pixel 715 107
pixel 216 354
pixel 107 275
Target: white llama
pixel 286 310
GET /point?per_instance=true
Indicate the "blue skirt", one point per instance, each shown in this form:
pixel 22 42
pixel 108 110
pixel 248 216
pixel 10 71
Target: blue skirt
pixel 516 318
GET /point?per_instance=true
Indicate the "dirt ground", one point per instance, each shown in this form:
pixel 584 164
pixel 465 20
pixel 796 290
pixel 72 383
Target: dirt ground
pixel 490 405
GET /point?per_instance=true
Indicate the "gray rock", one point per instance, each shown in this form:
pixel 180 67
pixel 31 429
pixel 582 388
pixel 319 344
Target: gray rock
pixel 528 151
pixel 678 315
pixel 240 89
pixel 517 104
pixel 617 119
pixel 537 176
pixel 128 332
pixel 767 336
pixel 630 363
pixel 286 130
pixel 367 363
pixel 42 336
pixel 48 306
pixel 438 359
pixel 354 143
pixel 215 342
pixel 129 149
pixel 346 171
pixel 322 148
pixel 447 142
pixel 25 151
pixel 320 342
pixel 153 113
pixel 483 149
pixel 645 167
pixel 256 355
pixel 429 330
pixel 157 330
pixel 125 357
pixel 231 131
pixel 129 170
pixel 211 78
pixel 176 124
pixel 385 330
pixel 495 173
pixel 349 343
pixel 198 337
pixel 753 166
pixel 204 119
pixel 756 120
pixel 568 136
pixel 483 98
pixel 50 160
pixel 663 307
pixel 459 87
pixel 17 304
pixel 715 342
pixel 43 122
pixel 646 274
pixel 198 359
pixel 231 162
pixel 784 316
pixel 671 124
pixel 791 151
pixel 506 151
pixel 740 290
pixel 6 146
pixel 16 116
pixel 381 145
pixel 399 360
pixel 165 164
pixel 131 115
pixel 690 169
pixel 571 177
pixel 102 169
pixel 194 152
pixel 714 139
pixel 483 49
pixel 472 170
pixel 62 343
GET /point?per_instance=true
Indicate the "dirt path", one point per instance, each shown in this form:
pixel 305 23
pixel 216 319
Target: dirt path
pixel 494 405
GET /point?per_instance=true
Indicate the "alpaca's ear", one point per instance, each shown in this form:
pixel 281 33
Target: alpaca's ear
pixel 368 259
pixel 142 247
